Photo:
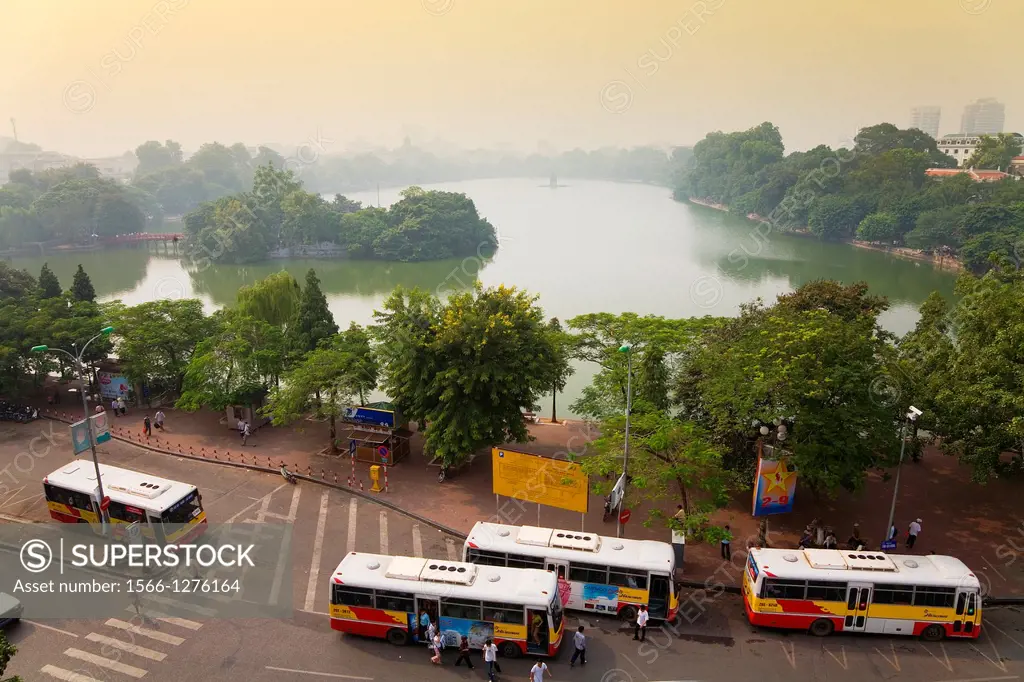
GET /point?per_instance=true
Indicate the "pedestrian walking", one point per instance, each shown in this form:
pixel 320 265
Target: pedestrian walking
pixel 640 631
pixel 913 532
pixel 891 535
pixel 245 432
pixel 538 670
pixel 431 631
pixel 99 409
pixel 113 406
pixel 726 546
pixel 122 406
pixel 831 542
pixel 579 643
pixel 435 646
pixel 424 624
pixel 147 426
pixel 464 653
pixel 855 541
pixel 490 657
pixel 159 419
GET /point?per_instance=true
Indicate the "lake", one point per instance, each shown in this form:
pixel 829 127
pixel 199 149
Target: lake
pixel 587 246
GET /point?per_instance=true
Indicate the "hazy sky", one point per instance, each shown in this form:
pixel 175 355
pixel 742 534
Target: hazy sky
pixel 100 76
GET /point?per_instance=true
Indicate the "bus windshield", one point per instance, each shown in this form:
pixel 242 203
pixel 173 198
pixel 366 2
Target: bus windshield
pixel 184 510
pixel 556 613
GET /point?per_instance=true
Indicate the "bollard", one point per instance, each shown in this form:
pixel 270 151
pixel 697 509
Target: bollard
pixel 321 474
pixel 385 478
pixel 335 478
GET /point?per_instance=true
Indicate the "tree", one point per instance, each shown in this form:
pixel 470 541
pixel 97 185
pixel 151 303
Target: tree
pixel 313 320
pixel 878 227
pixel 156 339
pixel 49 287
pixel 937 228
pixel 811 365
pixel 836 217
pixel 465 368
pixel 265 156
pixel 273 299
pixel 154 156
pixel 82 288
pixel 669 459
pixel 324 383
pixel 7 651
pixel 115 215
pixel 237 366
pixel 363 372
pixel 995 152
pixel 563 344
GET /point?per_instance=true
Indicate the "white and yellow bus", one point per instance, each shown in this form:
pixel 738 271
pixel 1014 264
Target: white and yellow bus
pixel 375 595
pixel 830 590
pixel 165 510
pixel 600 574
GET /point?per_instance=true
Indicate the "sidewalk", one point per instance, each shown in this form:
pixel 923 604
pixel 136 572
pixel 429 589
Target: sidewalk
pixel 982 525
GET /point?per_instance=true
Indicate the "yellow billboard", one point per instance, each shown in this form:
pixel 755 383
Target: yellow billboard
pixel 533 478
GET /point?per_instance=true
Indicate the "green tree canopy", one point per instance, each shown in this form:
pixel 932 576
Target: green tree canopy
pixel 273 299
pixel 995 152
pixel 49 287
pixel 313 320
pixel 467 367
pixel 878 227
pixel 7 651
pixel 81 287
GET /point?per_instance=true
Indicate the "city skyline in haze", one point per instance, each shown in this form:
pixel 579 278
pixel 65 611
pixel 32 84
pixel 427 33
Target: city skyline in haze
pixel 95 80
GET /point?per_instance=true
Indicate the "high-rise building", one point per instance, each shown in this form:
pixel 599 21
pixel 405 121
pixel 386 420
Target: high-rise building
pixel 926 119
pixel 984 117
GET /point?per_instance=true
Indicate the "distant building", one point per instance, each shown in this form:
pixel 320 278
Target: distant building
pixel 984 117
pixel 1017 166
pixel 118 168
pixel 926 119
pixel 976 175
pixel 961 146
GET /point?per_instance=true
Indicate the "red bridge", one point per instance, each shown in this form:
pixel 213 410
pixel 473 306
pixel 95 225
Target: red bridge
pixel 144 237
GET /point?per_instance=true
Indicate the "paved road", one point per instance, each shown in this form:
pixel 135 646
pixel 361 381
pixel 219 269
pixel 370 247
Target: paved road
pixel 177 641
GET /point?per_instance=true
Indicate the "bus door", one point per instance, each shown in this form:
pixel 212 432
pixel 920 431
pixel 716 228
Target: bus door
pixel 658 596
pixel 858 597
pixel 433 608
pixel 537 631
pixel 559 567
pixel 967 612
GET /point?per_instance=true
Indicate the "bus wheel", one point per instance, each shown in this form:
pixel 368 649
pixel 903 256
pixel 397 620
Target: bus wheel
pixel 510 650
pixel 933 633
pixel 398 637
pixel 628 614
pixel 822 627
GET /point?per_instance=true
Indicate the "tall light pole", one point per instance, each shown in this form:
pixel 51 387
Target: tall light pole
pixel 627 349
pixel 106 331
pixel 910 417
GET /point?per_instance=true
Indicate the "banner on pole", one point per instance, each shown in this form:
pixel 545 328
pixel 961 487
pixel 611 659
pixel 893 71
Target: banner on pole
pixel 80 436
pixel 100 427
pixel 532 478
pixel 774 487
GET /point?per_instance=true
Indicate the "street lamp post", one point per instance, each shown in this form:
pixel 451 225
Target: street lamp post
pixel 627 349
pixel 910 417
pixel 780 433
pixel 106 331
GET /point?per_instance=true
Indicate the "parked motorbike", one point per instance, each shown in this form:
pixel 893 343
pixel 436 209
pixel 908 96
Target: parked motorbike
pixel 288 476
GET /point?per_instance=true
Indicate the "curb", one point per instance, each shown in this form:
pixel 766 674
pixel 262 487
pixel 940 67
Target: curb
pixel 269 470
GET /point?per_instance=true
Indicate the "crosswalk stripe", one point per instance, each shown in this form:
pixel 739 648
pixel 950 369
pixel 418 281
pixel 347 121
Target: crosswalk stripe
pixel 66 675
pixel 383 532
pixel 145 632
pixel 318 546
pixel 417 541
pixel 174 603
pixel 163 617
pixel 103 662
pixel 452 555
pixel 126 646
pixel 352 507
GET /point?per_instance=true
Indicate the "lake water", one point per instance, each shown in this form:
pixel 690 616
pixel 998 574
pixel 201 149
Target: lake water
pixel 587 246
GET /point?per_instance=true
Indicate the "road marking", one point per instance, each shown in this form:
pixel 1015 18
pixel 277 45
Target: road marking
pixel 163 617
pixel 265 497
pixel 318 546
pixel 125 646
pixel 116 666
pixel 352 506
pixel 201 610
pixel 15 519
pixel 49 627
pixel 145 632
pixel 66 675
pixel 452 555
pixel 417 541
pixel 383 532
pixel 945 657
pixel 294 509
pixel 635 666
pixel 987 679
pixel 1008 636
pixel 317 613
pixel 313 672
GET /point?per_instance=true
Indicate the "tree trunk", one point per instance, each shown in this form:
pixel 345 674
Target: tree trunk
pixel 554 395
pixel 684 494
pixel 362 398
pixel 334 430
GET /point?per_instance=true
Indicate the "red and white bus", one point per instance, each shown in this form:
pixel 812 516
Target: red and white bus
pixel 375 595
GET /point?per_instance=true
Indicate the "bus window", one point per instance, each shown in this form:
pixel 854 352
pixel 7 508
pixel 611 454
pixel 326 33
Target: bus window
pixel 960 604
pixel 500 612
pixel 183 511
pixel 938 597
pixel 625 577
pixel 123 512
pixel 774 588
pixel 970 606
pixel 826 591
pixel 458 608
pixel 68 497
pixel 588 573
pixel 351 596
pixel 395 601
pixel 556 613
pixel 520 561
pixel 893 594
pixel 480 556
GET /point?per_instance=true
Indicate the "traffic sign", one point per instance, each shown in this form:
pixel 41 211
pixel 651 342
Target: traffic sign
pixel 624 516
pixel 383 452
pixel 104 503
pixel 134 531
pixel 888 545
